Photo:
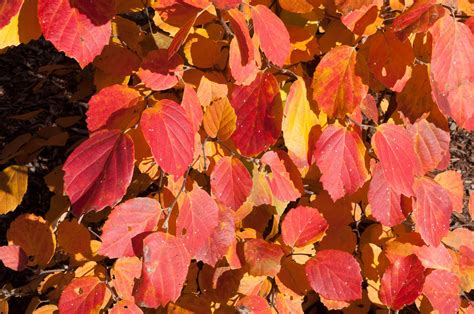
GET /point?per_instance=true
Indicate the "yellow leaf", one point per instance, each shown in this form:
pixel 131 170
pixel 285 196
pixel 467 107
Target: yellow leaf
pixel 298 119
pixel 13 184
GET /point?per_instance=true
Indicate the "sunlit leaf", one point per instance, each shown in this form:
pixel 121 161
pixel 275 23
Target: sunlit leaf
pixel 83 295
pixel 442 289
pixel 98 171
pixel 13 257
pixel 263 258
pixel 303 225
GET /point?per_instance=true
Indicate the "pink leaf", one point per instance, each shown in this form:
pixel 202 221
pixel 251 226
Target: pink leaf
pixel 83 296
pixel 442 288
pixel 13 257
pixel 159 73
pixel 303 225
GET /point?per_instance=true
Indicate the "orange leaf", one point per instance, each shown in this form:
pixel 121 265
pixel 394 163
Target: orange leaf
pixel 124 272
pixel 219 119
pixel 452 182
pixel 35 236
pixel 339 82
pixel 262 257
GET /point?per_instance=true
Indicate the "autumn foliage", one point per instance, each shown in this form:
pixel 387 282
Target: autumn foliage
pixel 259 156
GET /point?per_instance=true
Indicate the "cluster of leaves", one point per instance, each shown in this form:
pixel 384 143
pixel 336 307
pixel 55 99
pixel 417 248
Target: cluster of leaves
pixel 265 157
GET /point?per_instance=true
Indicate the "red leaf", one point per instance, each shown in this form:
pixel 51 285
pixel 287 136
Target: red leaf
pixel 253 304
pixel 98 171
pixel 339 82
pixel 284 185
pixel 170 135
pixel 218 243
pixel 451 70
pixel 335 275
pixel 81 31
pixel 384 202
pixel 303 225
pixel 113 107
pixel 262 257
pixel 197 219
pixel 159 73
pixel 241 31
pixel 165 266
pixel 394 147
pixel 442 288
pixel 431 144
pixel 434 257
pixel 339 155
pixel 192 107
pixel 419 17
pixel 431 211
pixel 181 36
pixel 272 33
pixel 8 9
pixel 123 273
pixel 83 296
pixel 231 182
pixel 402 282
pixel 259 113
pixel 226 4
pixel 390 59
pixel 126 221
pixel 125 307
pixel 13 257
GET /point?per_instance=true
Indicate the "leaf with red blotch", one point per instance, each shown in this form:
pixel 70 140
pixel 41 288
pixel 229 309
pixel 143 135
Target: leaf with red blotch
pixel 262 257
pixel 231 182
pixel 363 21
pixel 81 30
pixel 431 144
pixel 452 182
pixel 221 239
pixel 335 275
pixel 431 211
pixel 123 273
pixel 170 135
pixel 394 148
pixel 125 307
pixel 284 179
pixel 259 114
pixel 114 107
pixel 192 107
pixel 242 35
pixel 339 82
pixel 452 74
pixel 83 296
pixel 303 225
pixel 402 282
pixel 99 171
pixel 181 36
pixel 470 23
pixel 158 72
pixel 272 33
pixel 442 288
pixel 384 202
pixel 340 154
pixel 226 4
pixel 253 304
pixel 126 221
pixel 13 257
pixel 390 59
pixel 165 266
pixel 419 17
pixel 197 219
pixel 8 9
pixel 243 74
pixel 434 257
